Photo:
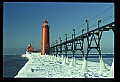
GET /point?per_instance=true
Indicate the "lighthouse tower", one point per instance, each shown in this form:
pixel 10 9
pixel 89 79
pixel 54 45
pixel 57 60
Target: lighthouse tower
pixel 45 38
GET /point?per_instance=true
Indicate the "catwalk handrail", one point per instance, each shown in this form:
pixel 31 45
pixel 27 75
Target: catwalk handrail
pixel 81 36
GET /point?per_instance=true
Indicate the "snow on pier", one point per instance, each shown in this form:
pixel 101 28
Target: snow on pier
pixel 45 66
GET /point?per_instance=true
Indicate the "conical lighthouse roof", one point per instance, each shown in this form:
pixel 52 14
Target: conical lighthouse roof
pixel 45 21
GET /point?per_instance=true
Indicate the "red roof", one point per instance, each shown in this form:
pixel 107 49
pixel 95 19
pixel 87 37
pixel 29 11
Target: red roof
pixel 30 48
pixel 45 21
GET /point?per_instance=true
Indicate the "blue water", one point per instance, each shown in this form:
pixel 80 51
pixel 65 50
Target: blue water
pixel 13 62
pixel 13 51
pixel 107 58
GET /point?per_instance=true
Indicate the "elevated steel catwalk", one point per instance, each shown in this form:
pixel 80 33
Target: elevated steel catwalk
pixel 102 28
pixel 76 43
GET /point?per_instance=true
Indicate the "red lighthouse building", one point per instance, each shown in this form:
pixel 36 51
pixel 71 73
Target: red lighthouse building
pixel 45 37
pixel 30 48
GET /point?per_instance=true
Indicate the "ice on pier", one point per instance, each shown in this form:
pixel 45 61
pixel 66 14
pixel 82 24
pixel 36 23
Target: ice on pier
pixel 84 65
pixel 50 66
pixel 111 73
pixel 73 61
pixel 102 66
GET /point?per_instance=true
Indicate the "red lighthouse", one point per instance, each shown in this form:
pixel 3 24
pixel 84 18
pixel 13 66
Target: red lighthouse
pixel 45 37
pixel 30 48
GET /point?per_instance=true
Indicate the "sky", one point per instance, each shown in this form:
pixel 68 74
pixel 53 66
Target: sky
pixel 22 21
